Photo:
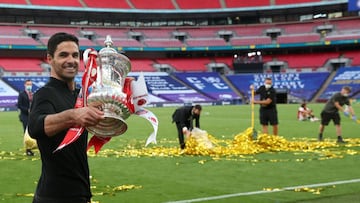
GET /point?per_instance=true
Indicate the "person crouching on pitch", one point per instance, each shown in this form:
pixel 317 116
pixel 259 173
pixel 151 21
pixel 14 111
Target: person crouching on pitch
pixel 331 112
pixel 184 117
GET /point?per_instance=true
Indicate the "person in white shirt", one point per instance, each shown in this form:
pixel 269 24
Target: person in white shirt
pixel 305 113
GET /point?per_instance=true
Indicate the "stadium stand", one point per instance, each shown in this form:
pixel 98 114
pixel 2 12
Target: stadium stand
pixel 142 65
pixel 187 48
pixel 198 4
pixel 162 43
pixel 96 32
pixel 21 64
pixel 186 64
pixel 73 3
pixel 286 2
pixel 237 3
pixel 294 38
pixel 106 4
pixel 239 41
pixel 18 40
pixel 120 42
pixel 164 4
pixel 206 42
pixel 11 30
pixel 13 2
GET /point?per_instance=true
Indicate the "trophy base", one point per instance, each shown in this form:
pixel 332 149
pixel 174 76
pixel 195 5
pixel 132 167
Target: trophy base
pixel 114 123
pixel 109 127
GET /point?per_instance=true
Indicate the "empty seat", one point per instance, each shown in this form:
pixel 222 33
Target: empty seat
pixel 18 40
pixel 21 64
pixel 121 42
pixel 106 4
pixel 240 4
pixel 294 38
pixel 206 42
pixel 198 4
pixel 142 65
pixel 74 3
pixel 186 64
pixel 236 41
pixel 163 4
pixel 162 43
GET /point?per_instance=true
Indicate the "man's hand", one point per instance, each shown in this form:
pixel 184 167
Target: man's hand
pixel 88 116
pixel 354 118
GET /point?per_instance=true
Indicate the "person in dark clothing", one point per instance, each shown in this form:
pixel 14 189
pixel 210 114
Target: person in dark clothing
pixel 24 102
pixel 268 111
pixel 64 173
pixel 184 117
pixel 331 112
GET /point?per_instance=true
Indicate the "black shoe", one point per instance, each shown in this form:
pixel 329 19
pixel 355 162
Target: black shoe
pixel 340 141
pixel 29 152
pixel 320 139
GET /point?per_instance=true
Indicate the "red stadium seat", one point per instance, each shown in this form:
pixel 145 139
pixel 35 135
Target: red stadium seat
pixel 186 64
pixel 13 2
pixel 106 4
pixel 206 42
pixel 200 32
pixel 121 42
pixel 163 43
pixel 155 32
pixel 343 36
pixel 113 32
pixel 163 4
pixel 21 64
pixel 145 65
pixel 282 2
pixel 198 4
pixel 48 31
pixel 240 4
pixel 295 38
pixel 11 30
pixel 18 40
pixel 238 41
pixel 74 3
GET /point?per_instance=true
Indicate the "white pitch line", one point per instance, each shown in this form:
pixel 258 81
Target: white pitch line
pixel 265 191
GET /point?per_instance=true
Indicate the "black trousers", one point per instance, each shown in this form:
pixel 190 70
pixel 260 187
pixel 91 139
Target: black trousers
pixel 38 199
pixel 180 135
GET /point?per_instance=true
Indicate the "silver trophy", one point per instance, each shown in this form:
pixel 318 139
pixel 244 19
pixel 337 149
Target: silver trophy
pixel 107 90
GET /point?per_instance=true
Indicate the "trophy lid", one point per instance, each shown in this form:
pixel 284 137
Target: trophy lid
pixel 108 46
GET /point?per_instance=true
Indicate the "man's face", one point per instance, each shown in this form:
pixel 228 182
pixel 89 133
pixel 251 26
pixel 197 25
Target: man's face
pixel 28 86
pixel 268 84
pixel 345 92
pixel 65 62
pixel 196 111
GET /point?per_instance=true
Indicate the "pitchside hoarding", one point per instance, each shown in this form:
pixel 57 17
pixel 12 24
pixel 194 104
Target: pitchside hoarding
pixel 348 76
pixel 299 85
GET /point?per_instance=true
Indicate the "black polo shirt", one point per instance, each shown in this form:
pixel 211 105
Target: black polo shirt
pixel 265 94
pixel 65 173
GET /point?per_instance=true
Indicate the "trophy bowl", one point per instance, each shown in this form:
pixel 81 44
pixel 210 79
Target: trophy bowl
pixel 107 92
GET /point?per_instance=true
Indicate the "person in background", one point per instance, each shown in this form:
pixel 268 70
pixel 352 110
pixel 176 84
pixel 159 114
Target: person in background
pixel 305 113
pixel 24 102
pixel 331 112
pixel 268 111
pixel 184 117
pixel 64 173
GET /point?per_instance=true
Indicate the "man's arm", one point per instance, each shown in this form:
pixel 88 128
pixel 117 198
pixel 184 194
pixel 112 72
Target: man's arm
pixel 86 116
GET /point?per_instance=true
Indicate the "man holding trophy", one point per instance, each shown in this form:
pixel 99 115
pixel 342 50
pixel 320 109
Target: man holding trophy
pixel 62 115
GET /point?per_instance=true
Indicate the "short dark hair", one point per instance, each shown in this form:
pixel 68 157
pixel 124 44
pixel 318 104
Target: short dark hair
pixel 347 88
pixel 198 107
pixel 57 38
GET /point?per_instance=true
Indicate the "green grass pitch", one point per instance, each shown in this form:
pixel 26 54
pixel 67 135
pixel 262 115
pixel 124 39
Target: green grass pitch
pixel 174 177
